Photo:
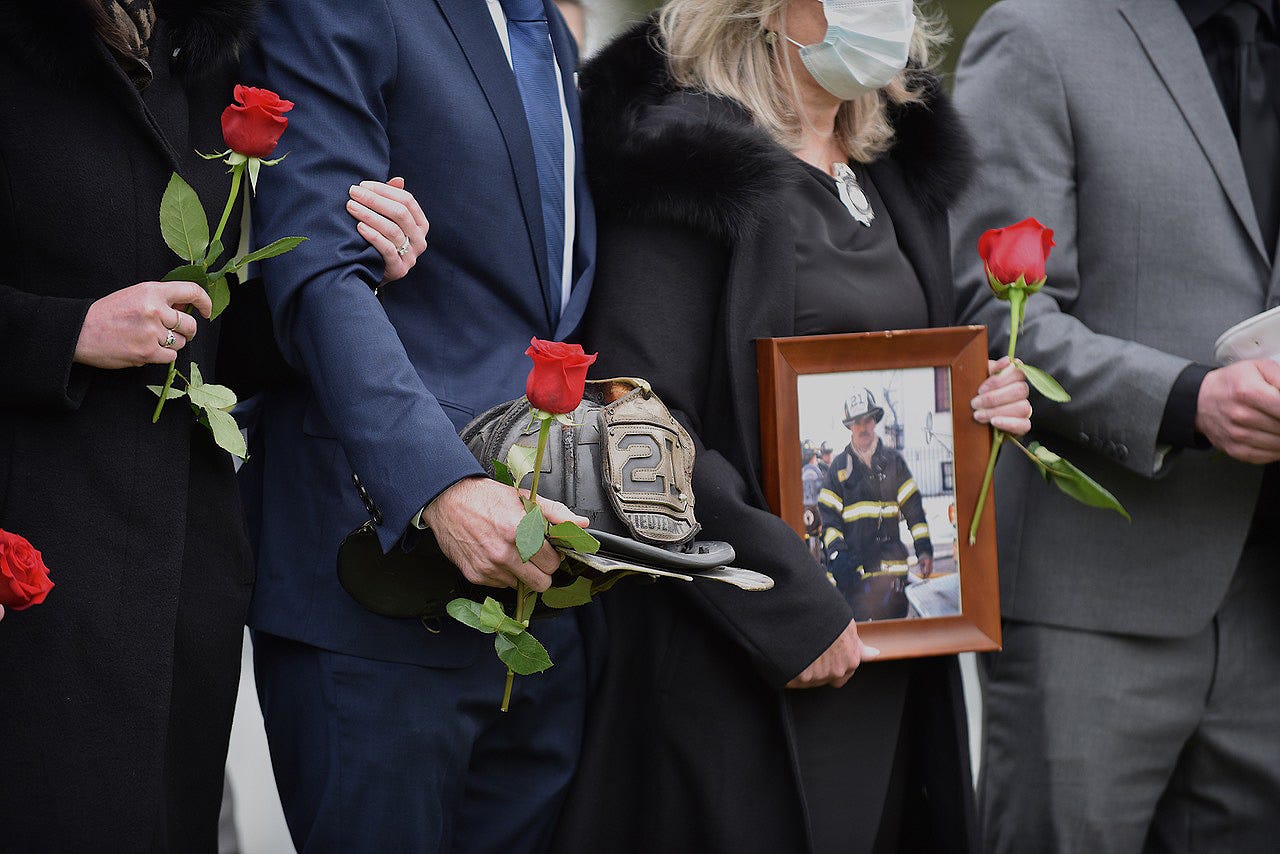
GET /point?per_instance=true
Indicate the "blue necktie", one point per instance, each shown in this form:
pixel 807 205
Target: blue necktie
pixel 533 61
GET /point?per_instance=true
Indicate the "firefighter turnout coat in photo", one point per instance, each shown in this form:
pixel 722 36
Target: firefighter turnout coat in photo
pixel 861 507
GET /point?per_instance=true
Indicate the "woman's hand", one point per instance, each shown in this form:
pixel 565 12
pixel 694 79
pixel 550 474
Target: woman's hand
pixel 835 667
pixel 389 217
pixel 140 325
pixel 1002 399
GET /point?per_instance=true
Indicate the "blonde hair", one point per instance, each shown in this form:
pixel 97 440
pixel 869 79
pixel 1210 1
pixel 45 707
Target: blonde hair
pixel 720 46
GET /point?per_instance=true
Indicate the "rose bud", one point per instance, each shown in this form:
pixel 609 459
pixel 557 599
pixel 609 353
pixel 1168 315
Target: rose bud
pixel 1015 256
pixel 252 126
pixel 24 579
pixel 558 377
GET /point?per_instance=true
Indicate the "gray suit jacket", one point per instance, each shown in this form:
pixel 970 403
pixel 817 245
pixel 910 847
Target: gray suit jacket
pixel 1099 118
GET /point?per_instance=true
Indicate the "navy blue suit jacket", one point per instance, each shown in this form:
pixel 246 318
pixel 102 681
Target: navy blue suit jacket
pixel 421 89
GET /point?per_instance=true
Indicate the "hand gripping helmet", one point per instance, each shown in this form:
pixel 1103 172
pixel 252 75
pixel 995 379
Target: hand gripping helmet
pixel 625 463
pixel 861 402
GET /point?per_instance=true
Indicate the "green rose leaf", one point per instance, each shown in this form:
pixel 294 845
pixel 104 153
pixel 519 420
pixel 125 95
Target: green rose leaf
pixel 219 295
pixel 1075 482
pixel 214 252
pixel 197 379
pixel 188 273
pixel 522 653
pixel 182 221
pixel 271 250
pixel 492 614
pixel 469 614
pixel 226 432
pixel 530 533
pixel 570 596
pixel 211 396
pixel 567 535
pixel 503 473
pixel 1044 383
pixel 510 627
pixel 171 394
pixel 520 461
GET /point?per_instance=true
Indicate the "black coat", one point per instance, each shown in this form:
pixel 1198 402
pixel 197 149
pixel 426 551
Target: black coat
pixel 118 691
pixel 690 743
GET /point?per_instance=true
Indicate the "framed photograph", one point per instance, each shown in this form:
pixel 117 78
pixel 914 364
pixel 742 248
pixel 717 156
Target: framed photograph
pixel 872 455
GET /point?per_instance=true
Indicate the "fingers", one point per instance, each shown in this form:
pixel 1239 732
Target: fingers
pixel 183 326
pixel 179 341
pixel 393 195
pixel 998 396
pixel 1238 409
pixel 545 562
pixel 1003 399
pixel 392 231
pixel 177 294
pixel 395 265
pixel 555 513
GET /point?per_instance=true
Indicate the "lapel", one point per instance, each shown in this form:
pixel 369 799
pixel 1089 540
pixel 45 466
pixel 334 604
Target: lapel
pixel 123 90
pixel 473 28
pixel 918 239
pixel 1171 46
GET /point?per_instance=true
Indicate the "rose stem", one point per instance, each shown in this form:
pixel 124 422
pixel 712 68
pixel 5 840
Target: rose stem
pixel 236 172
pixel 1017 304
pixel 522 590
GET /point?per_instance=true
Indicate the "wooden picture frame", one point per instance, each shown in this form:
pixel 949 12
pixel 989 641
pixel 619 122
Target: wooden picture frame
pixel 945 614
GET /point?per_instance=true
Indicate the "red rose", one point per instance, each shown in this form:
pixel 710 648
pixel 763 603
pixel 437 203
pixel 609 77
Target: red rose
pixel 558 377
pixel 252 126
pixel 1016 252
pixel 24 579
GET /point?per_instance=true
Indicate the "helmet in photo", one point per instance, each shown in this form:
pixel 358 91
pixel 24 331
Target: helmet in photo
pixel 807 451
pixel 861 403
pixel 825 448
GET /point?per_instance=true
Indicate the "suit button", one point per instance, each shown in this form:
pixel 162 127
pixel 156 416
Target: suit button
pixel 1083 438
pixel 1122 451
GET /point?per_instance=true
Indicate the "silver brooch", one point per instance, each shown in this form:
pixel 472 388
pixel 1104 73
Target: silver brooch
pixel 851 194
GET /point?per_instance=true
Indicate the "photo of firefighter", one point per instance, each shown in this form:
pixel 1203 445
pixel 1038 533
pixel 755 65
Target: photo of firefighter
pixel 878 484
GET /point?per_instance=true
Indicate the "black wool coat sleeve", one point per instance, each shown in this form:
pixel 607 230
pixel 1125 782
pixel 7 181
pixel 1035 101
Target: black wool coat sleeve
pixel 657 309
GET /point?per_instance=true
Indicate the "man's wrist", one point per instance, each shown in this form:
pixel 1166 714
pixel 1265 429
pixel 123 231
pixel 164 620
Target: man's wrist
pixel 1178 424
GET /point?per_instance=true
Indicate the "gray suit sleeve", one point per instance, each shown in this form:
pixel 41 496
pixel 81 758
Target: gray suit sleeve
pixel 1019 109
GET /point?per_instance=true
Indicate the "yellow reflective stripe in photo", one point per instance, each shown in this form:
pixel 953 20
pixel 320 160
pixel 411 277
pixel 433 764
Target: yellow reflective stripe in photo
pixel 919 531
pixel 830 499
pixel 831 536
pixel 906 490
pixel 863 510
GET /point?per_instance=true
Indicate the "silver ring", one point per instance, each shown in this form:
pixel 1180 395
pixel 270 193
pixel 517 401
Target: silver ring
pixel 403 249
pixel 169 339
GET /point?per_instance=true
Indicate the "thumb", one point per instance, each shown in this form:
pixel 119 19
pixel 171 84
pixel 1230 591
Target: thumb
pixel 398 183
pixel 1270 371
pixel 555 513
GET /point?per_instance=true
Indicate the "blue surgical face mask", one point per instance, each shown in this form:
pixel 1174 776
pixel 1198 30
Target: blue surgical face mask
pixel 865 47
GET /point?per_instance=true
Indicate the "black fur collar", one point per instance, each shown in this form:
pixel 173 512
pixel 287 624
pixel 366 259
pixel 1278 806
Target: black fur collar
pixel 54 37
pixel 655 154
